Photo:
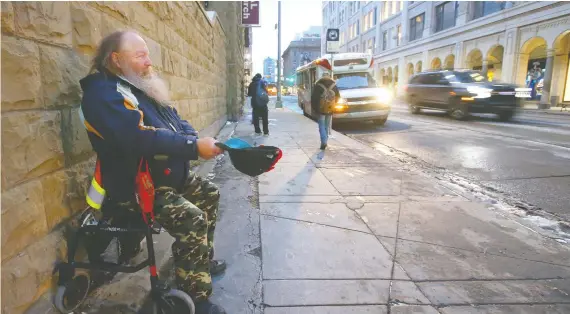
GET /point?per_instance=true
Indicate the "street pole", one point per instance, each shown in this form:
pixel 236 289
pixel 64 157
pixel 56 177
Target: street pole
pixel 332 77
pixel 279 104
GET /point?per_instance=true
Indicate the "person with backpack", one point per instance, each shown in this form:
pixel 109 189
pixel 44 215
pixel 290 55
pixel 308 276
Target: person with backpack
pixel 324 97
pixel 257 90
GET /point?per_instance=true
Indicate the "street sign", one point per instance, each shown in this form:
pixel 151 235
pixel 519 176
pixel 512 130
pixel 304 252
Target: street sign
pixel 332 34
pixel 250 13
pixel 333 40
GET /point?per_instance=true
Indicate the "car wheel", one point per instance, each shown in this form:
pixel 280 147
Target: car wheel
pixel 458 110
pixel 506 115
pixel 414 109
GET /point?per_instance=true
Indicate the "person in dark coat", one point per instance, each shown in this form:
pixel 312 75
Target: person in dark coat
pixel 260 109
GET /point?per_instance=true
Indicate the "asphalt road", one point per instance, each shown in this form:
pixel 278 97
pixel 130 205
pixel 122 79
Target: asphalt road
pixel 527 159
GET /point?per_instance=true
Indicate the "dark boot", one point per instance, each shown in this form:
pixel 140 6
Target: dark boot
pixel 323 146
pixel 217 267
pixel 207 307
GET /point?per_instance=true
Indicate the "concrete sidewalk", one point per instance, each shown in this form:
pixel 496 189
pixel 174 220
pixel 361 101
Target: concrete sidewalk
pixel 350 230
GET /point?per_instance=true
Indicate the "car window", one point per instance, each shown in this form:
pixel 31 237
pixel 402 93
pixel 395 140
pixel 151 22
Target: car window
pixel 416 80
pixel 431 79
pixel 467 77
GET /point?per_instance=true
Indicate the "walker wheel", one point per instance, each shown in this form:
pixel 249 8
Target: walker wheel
pixel 72 294
pixel 175 302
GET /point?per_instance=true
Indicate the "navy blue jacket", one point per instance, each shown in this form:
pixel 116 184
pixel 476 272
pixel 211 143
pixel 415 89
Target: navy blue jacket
pixel 123 125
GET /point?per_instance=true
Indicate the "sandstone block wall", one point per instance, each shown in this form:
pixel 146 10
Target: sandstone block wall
pixel 47 160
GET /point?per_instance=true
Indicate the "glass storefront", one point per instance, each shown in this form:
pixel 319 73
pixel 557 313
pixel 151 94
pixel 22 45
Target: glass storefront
pixel 534 77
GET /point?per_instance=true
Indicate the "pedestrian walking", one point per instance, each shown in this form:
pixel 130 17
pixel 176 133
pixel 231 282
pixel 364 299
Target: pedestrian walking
pixel 324 97
pixel 257 90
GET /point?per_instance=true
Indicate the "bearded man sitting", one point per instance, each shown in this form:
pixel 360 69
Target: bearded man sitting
pixel 127 113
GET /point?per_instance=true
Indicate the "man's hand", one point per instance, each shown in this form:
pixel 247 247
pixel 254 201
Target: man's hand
pixel 207 148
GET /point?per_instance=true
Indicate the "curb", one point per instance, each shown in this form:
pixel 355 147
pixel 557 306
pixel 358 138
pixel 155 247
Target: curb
pixel 542 111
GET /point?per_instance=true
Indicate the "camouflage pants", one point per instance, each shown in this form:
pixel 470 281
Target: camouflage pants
pixel 190 217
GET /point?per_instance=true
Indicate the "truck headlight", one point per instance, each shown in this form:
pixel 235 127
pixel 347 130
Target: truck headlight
pixel 384 97
pixel 341 105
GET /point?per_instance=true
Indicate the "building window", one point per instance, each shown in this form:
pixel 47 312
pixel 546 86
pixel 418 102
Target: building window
pixel 358 27
pixel 375 18
pixel 417 27
pixel 370 46
pixel 445 15
pixel 482 8
pixel 385 40
pixel 398 35
pixel 369 20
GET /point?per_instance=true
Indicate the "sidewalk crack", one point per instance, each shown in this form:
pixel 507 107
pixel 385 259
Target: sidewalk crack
pixel 316 223
pixel 480 252
pixel 394 256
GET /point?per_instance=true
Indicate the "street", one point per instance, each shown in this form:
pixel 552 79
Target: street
pixel 525 161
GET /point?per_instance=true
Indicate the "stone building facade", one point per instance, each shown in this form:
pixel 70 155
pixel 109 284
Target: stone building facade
pixel 506 39
pixel 47 160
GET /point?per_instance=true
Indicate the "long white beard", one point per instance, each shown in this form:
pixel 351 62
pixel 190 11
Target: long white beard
pixel 152 85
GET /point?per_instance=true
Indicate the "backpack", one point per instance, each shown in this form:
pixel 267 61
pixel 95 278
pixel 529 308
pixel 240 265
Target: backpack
pixel 261 95
pixel 328 99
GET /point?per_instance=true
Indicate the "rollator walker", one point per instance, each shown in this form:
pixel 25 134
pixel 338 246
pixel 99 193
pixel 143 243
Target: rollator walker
pixel 74 286
pixel 74 283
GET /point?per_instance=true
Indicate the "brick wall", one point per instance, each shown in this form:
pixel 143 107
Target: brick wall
pixel 46 157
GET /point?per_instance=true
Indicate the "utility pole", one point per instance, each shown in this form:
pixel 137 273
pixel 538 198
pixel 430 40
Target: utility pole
pixel 279 103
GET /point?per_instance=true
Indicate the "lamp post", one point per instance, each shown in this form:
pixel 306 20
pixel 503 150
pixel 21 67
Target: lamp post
pixel 278 103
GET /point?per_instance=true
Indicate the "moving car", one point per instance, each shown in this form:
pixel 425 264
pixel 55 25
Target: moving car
pixel 461 92
pixel 361 98
pixel 271 89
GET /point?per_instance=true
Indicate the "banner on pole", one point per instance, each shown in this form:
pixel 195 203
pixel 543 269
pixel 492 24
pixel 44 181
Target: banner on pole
pixel 250 13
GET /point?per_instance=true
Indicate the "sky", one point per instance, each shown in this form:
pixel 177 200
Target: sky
pixel 296 17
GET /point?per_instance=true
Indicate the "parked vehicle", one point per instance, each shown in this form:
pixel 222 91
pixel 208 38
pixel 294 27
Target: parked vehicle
pixel 361 98
pixel 461 92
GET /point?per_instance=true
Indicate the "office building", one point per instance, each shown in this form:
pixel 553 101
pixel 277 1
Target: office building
pixel 526 43
pixel 270 70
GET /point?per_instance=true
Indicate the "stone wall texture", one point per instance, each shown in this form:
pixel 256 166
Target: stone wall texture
pixel 47 160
